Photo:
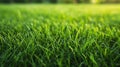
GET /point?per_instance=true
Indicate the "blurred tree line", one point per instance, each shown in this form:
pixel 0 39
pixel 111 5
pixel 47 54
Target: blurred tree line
pixel 60 1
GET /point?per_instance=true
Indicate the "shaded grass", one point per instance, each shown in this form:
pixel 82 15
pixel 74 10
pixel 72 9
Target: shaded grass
pixel 59 35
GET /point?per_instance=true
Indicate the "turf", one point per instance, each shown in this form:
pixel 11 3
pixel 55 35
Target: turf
pixel 59 35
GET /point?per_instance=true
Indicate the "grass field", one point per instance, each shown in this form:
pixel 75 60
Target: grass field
pixel 59 35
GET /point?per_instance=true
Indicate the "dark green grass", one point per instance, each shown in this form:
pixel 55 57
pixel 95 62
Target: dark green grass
pixel 59 35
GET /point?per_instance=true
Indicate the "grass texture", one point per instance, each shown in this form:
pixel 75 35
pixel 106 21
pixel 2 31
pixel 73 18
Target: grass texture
pixel 59 35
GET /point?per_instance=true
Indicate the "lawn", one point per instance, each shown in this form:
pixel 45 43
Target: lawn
pixel 46 35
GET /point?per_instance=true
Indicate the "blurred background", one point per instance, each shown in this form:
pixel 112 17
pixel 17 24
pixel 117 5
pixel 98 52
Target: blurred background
pixel 60 1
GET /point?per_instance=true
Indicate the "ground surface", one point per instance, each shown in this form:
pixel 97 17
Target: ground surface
pixel 59 35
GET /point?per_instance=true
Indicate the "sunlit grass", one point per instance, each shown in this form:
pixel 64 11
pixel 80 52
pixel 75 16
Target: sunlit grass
pixel 59 35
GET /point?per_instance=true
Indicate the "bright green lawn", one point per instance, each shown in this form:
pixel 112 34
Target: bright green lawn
pixel 59 35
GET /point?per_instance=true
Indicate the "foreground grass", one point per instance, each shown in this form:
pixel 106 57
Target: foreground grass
pixel 59 35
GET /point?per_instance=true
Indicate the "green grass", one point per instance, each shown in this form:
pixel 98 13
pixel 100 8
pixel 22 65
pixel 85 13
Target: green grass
pixel 59 35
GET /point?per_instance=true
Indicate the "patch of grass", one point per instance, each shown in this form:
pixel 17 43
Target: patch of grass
pixel 59 35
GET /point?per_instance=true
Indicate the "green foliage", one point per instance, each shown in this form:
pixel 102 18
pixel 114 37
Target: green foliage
pixel 59 1
pixel 59 36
